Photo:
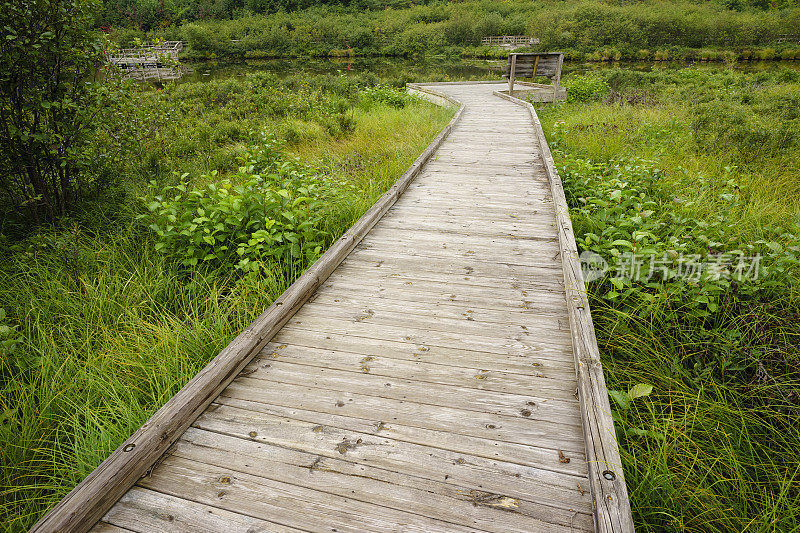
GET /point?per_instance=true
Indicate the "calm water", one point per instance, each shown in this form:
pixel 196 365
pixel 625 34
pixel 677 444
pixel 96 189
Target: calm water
pixel 382 67
pixel 429 69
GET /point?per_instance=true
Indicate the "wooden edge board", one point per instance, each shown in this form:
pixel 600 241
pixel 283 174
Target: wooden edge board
pixel 606 478
pixel 86 504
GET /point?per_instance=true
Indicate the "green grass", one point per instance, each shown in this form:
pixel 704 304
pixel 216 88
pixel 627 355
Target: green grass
pixel 111 329
pixel 712 156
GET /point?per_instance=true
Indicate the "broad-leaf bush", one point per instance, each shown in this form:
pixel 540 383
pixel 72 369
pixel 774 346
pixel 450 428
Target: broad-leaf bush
pixel 586 88
pixel 384 94
pixel 270 210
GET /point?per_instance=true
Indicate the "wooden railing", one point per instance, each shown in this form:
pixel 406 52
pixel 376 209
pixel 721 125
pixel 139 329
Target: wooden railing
pixel 156 61
pixel 788 38
pixel 509 40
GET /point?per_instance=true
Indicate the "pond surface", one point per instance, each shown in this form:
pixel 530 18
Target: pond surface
pixel 390 68
pixel 432 69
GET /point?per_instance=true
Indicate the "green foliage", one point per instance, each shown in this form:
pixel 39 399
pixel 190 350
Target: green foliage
pixel 586 88
pixel 621 210
pixel 647 175
pixel 270 211
pixel 586 29
pixel 384 94
pixel 49 53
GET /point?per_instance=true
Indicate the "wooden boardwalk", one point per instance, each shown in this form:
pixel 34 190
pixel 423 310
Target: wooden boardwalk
pixel 429 383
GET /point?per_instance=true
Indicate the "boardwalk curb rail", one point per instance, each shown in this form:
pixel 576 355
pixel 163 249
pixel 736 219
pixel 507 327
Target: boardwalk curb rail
pixel 606 478
pixel 85 505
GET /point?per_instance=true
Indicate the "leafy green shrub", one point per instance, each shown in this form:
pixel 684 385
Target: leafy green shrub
pixel 586 88
pixel 622 210
pixel 660 255
pixel 384 94
pixel 271 210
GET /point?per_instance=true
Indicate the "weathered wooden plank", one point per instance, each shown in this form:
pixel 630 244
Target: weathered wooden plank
pixel 456 246
pixel 498 205
pixel 431 498
pixel 517 297
pixel 378 272
pixel 526 366
pixel 379 364
pixel 542 405
pixel 611 501
pixel 283 503
pixel 529 166
pixel 472 228
pixel 529 261
pixel 454 322
pixel 400 441
pixel 469 242
pixel 536 267
pixel 452 421
pixel 522 292
pixel 520 345
pixel 420 204
pixel 526 472
pixel 363 306
pixel 426 242
pixel 147 511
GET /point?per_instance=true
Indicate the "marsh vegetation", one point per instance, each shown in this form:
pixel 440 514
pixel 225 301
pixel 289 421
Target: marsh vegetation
pixel 694 163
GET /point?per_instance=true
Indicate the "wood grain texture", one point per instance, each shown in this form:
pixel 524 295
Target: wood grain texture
pixel 607 480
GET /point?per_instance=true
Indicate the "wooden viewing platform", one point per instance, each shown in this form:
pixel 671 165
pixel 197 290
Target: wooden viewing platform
pixel 435 370
pixel 158 61
pixel 509 41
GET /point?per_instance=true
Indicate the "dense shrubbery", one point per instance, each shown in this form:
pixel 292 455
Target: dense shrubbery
pixel 382 94
pixel 138 134
pixel 587 29
pixel 590 87
pixel 623 212
pixel 49 55
pixel 269 211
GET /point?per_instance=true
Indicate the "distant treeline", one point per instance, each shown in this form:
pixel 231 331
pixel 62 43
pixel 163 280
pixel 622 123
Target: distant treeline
pixel 647 30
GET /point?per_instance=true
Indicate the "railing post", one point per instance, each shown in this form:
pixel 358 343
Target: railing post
pixel 511 74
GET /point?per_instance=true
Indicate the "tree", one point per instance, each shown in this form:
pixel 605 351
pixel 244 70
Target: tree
pixel 49 54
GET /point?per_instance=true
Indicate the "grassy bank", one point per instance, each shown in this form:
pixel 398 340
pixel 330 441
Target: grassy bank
pixel 700 165
pixel 105 319
pixel 585 30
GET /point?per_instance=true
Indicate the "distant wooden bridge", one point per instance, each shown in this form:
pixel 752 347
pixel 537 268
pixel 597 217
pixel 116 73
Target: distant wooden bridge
pixel 158 61
pixel 435 370
pixel 509 41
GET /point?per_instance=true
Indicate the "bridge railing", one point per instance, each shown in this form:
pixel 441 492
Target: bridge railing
pixel 509 40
